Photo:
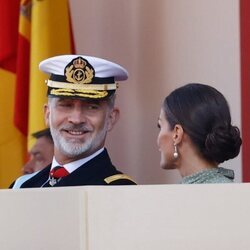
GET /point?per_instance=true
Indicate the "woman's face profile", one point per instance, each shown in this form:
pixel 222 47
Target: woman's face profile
pixel 165 142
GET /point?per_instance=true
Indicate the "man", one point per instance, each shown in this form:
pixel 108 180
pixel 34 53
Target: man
pixel 41 153
pixel 80 111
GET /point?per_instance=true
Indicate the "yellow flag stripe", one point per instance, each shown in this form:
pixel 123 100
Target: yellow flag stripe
pixel 50 36
pixel 12 142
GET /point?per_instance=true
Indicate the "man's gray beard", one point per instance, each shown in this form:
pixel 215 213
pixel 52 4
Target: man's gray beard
pixel 71 148
pixel 68 148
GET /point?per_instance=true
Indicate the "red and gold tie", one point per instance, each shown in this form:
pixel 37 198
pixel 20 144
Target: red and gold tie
pixel 56 174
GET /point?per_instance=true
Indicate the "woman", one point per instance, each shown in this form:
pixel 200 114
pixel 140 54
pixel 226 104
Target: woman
pixel 196 134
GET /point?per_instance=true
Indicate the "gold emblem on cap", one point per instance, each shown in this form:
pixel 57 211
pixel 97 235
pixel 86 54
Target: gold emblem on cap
pixel 79 71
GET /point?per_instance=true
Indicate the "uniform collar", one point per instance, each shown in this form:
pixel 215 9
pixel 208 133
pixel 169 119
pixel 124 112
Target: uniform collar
pixel 72 166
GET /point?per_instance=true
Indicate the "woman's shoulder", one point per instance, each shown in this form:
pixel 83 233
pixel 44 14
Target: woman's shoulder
pixel 222 175
pixel 216 175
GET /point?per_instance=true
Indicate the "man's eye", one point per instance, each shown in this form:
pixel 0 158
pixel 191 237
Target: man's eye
pixel 93 106
pixel 64 104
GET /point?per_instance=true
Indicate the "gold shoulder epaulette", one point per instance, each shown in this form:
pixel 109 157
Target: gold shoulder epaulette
pixel 116 177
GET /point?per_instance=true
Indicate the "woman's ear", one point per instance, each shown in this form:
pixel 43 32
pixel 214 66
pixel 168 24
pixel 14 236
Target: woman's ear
pixel 113 118
pixel 178 133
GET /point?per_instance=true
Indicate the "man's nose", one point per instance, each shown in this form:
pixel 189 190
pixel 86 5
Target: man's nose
pixel 77 116
pixel 28 168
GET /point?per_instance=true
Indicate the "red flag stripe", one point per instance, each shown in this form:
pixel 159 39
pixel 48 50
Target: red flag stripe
pixel 245 85
pixel 22 86
pixel 8 35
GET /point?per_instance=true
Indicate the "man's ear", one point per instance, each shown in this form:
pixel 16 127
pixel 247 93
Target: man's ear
pixel 178 133
pixel 113 118
pixel 46 114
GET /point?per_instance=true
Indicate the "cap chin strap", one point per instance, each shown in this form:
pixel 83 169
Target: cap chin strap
pixel 93 94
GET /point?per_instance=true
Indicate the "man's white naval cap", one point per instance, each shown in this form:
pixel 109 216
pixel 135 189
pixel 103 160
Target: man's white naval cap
pixel 82 76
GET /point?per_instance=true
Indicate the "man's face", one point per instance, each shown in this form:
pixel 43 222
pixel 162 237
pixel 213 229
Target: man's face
pixel 78 127
pixel 41 155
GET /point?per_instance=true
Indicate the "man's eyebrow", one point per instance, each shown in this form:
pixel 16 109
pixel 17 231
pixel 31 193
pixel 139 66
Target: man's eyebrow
pixel 93 101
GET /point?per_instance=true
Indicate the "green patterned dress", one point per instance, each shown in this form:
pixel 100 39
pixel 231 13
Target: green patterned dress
pixel 216 175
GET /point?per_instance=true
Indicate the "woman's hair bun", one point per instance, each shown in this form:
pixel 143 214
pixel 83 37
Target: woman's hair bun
pixel 223 143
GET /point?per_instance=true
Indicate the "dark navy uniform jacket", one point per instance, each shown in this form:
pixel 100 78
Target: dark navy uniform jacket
pixel 97 171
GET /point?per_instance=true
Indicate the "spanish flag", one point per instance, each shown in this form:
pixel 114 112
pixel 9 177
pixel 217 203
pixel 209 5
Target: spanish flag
pixel 12 142
pixel 44 30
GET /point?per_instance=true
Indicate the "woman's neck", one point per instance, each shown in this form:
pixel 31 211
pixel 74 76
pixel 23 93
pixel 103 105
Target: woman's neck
pixel 194 164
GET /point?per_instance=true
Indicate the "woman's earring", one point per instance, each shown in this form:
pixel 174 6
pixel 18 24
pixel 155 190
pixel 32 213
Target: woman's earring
pixel 176 155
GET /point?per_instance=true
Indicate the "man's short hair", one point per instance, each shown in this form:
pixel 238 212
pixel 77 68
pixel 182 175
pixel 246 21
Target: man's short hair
pixel 41 133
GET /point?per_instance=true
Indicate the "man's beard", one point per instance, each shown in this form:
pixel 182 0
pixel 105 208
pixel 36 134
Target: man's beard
pixel 75 147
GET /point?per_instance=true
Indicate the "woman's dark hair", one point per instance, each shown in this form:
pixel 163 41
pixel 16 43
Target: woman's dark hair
pixel 204 114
